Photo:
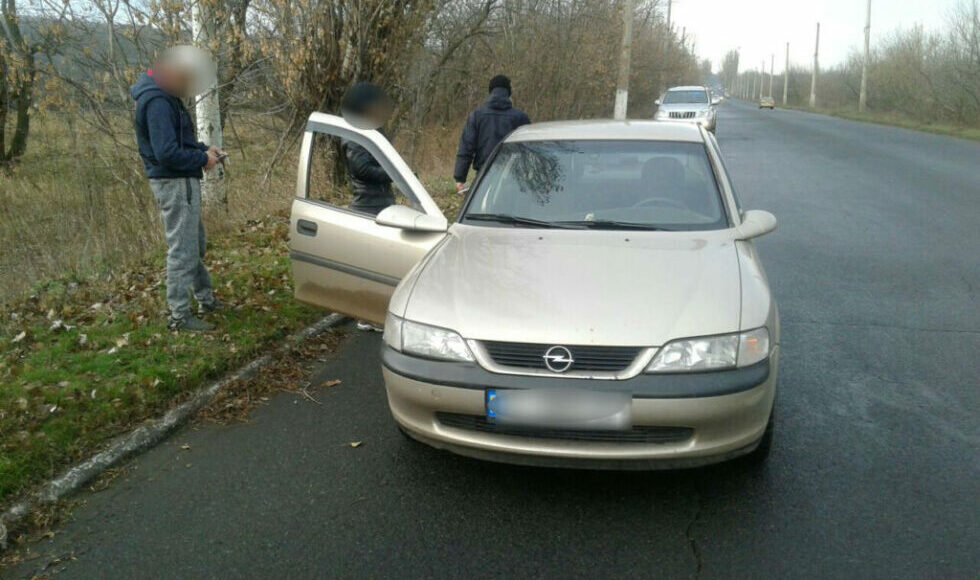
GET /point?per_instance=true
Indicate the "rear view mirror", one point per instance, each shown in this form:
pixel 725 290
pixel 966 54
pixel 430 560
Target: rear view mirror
pixel 755 223
pixel 406 218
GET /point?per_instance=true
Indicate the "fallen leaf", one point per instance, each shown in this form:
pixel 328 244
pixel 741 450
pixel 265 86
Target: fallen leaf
pixel 185 447
pixel 355 444
pixel 19 337
pixel 331 383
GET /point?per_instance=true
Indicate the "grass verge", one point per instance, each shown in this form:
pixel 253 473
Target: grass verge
pixel 895 120
pixel 82 361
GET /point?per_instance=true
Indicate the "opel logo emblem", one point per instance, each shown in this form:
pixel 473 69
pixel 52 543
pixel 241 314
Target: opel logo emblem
pixel 558 359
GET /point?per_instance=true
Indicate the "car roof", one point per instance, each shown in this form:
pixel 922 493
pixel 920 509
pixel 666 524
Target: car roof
pixel 687 88
pixel 607 130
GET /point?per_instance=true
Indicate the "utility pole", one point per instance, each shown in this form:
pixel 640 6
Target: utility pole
pixel 665 43
pixel 786 75
pixel 213 190
pixel 623 85
pixel 863 99
pixel 762 78
pixel 816 67
pixel 752 92
pixel 772 71
pixel 738 55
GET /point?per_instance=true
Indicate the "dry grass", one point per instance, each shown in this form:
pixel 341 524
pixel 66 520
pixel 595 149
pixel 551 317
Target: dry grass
pixel 78 204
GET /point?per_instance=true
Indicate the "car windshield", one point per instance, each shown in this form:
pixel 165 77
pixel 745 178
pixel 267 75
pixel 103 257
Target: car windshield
pixel 677 97
pixel 651 185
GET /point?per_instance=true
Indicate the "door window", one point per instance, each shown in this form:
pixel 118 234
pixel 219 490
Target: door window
pixel 345 174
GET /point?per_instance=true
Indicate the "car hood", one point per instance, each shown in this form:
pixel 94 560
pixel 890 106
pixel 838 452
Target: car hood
pixel 617 288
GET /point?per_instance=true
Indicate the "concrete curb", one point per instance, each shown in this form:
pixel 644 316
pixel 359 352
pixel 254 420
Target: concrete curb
pixel 147 436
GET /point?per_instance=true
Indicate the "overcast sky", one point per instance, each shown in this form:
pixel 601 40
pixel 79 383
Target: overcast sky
pixel 762 27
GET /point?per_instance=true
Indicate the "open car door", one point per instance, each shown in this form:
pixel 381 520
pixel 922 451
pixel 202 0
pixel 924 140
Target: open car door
pixel 346 260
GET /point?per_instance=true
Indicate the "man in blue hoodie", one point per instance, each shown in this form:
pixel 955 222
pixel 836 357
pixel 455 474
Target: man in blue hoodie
pixel 485 128
pixel 175 161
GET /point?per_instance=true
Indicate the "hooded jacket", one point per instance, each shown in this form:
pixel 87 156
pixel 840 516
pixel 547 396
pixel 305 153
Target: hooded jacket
pixel 165 135
pixel 485 128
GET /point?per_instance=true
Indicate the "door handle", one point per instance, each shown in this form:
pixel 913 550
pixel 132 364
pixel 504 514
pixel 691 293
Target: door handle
pixel 306 227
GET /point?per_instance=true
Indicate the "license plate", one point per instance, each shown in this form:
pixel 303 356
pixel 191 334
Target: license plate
pixel 559 408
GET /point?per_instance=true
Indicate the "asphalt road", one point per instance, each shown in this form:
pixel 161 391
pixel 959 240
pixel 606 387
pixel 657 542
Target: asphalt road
pixel 876 265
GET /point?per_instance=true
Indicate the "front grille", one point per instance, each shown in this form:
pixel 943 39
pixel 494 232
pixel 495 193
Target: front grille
pixel 682 114
pixel 587 358
pixel 635 435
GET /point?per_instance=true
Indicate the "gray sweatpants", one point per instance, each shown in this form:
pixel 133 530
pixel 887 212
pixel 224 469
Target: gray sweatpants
pixel 179 200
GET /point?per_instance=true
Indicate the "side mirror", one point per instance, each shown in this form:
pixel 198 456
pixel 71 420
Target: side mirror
pixel 755 223
pixel 716 101
pixel 657 102
pixel 407 218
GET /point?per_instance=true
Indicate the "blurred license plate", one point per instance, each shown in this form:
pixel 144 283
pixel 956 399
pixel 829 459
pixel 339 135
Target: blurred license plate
pixel 554 408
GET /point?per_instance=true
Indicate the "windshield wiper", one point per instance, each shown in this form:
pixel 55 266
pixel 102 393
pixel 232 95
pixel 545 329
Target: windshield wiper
pixel 516 220
pixel 615 225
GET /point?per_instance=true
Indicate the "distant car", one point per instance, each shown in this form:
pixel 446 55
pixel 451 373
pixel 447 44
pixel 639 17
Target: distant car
pixel 767 103
pixel 691 104
pixel 598 302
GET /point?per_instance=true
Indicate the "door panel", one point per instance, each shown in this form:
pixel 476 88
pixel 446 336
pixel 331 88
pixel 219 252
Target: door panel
pixel 342 259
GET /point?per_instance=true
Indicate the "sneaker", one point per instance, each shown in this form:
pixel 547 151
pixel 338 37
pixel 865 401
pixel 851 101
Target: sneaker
pixel 209 307
pixel 368 327
pixel 189 324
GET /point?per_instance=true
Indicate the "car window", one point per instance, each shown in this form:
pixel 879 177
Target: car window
pixel 656 184
pixel 677 97
pixel 345 174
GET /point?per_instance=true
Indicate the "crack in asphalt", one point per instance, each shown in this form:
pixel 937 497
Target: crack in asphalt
pixel 691 540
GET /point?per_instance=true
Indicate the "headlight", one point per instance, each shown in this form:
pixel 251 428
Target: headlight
pixel 660 115
pixel 704 113
pixel 393 331
pixel 712 352
pixel 424 340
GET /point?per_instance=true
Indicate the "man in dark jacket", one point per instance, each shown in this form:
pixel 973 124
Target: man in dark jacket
pixel 174 161
pixel 485 128
pixel 366 106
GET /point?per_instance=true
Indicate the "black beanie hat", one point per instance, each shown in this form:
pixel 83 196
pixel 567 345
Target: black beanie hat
pixel 500 81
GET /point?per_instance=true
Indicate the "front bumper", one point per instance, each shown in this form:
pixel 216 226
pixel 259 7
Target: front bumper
pixel 726 411
pixel 706 122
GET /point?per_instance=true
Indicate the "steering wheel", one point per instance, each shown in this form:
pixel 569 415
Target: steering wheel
pixel 660 201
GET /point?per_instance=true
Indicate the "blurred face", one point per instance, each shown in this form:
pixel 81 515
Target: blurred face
pixel 379 112
pixel 174 79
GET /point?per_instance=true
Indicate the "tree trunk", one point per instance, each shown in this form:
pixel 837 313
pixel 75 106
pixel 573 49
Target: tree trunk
pixel 22 122
pixel 208 111
pixel 3 109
